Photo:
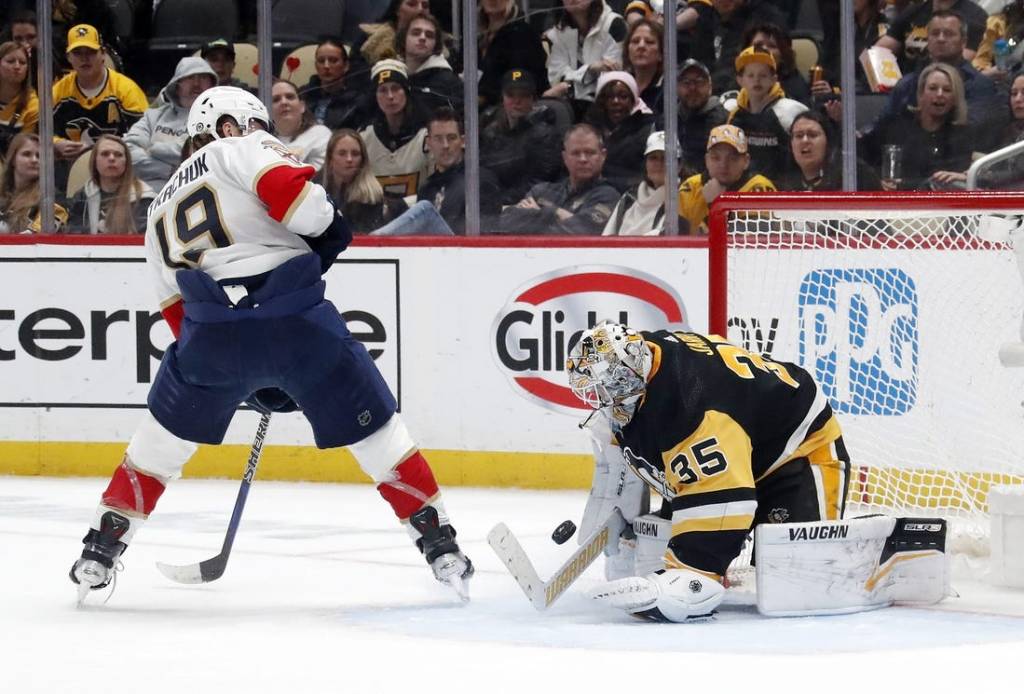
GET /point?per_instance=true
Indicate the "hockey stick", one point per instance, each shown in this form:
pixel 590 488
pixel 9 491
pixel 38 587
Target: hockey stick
pixel 213 568
pixel 542 594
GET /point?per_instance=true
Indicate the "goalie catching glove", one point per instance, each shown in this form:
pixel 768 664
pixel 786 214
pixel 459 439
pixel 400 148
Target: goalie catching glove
pixel 667 595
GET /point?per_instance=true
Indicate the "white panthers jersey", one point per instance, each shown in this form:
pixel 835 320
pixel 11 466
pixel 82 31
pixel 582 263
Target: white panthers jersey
pixel 233 209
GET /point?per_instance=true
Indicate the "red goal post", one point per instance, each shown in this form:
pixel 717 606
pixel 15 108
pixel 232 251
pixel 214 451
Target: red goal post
pixel 899 305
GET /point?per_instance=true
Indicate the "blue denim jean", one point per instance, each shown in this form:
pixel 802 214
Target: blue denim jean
pixel 419 220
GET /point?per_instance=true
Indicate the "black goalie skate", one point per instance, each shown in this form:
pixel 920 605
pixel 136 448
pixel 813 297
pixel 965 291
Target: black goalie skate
pixel 438 546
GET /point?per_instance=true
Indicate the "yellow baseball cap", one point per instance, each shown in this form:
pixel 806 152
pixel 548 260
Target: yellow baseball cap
pixel 750 54
pixel 728 135
pixel 83 36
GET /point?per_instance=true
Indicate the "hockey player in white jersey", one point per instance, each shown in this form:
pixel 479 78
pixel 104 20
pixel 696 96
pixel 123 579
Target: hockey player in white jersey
pixel 237 240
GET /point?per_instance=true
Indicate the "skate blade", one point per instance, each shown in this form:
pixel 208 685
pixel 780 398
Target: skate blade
pixel 461 588
pixel 83 590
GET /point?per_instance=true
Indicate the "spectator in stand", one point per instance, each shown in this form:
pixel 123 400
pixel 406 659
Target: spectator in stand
pixel 578 205
pixel 348 179
pixel 763 112
pixel 378 40
pixel 718 34
pixel 699 112
pixel 295 126
pixel 934 138
pixel 96 13
pixel 642 57
pixel 908 35
pixel 19 106
pixel 625 121
pixel 431 80
pixel 395 139
pixel 220 54
pixel 506 41
pixel 24 31
pixel 155 140
pixel 519 141
pixel 776 41
pixel 816 162
pixel 19 189
pixel 985 108
pixel 335 96
pixel 586 42
pixel 113 200
pixel 445 189
pixel 1009 174
pixel 870 24
pixel 641 209
pixel 686 18
pixel 91 100
pixel 727 163
pixel 1006 24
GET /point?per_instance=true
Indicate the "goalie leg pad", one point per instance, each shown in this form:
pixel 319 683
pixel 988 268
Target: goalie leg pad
pixel 669 595
pixel 652 536
pixel 839 567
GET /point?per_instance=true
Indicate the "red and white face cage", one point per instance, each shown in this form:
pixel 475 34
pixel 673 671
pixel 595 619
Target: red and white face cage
pixel 609 365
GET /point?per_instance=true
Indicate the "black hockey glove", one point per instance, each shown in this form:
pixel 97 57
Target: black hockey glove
pixel 333 241
pixel 267 400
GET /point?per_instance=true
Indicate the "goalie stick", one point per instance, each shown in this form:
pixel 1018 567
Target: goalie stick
pixel 542 594
pixel 213 568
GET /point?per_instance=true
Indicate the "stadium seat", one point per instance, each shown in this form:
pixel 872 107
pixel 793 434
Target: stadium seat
pixel 298 22
pixel 184 24
pixel 78 176
pixel 300 65
pixel 868 108
pixel 124 17
pixel 807 52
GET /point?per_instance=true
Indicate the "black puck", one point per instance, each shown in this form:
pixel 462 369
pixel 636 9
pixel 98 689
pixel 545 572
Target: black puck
pixel 563 532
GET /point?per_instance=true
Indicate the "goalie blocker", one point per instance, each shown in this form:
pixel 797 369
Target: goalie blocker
pixel 839 567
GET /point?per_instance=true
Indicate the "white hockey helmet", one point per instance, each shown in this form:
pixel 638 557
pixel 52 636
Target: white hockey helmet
pixel 609 365
pixel 216 102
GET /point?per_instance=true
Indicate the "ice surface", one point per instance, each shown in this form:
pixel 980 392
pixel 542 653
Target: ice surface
pixel 326 593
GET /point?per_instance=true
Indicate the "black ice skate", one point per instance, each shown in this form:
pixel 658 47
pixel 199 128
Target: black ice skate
pixel 437 543
pixel 96 568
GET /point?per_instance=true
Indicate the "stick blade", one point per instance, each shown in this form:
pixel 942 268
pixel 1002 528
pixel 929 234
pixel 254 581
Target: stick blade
pixel 511 553
pixel 192 574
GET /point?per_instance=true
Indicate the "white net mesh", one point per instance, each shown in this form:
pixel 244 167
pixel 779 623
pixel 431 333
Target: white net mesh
pixel 900 316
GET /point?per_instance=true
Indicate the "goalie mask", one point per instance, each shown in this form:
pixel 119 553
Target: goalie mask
pixel 609 365
pixel 217 102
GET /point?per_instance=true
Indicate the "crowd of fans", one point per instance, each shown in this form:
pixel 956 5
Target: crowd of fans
pixel 571 100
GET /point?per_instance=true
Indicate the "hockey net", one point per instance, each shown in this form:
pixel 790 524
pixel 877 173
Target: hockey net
pixel 899 305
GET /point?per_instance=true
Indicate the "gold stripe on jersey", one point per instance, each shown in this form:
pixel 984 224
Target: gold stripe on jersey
pixel 303 194
pixel 703 525
pixel 403 185
pixel 833 473
pixel 655 359
pixel 730 440
pixel 815 440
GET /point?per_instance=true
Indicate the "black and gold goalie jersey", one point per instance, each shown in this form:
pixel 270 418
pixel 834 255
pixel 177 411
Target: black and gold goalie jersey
pixel 714 422
pixel 112 111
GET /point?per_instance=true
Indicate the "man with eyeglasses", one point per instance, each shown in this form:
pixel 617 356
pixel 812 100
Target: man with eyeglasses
pixel 699 111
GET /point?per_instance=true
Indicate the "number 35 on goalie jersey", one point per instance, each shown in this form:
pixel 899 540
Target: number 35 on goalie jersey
pixel 715 421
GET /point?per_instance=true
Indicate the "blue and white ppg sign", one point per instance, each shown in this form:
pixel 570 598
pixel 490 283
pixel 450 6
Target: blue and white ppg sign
pixel 859 337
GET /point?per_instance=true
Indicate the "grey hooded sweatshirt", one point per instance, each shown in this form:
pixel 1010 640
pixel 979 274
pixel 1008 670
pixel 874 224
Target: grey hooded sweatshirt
pixel 155 141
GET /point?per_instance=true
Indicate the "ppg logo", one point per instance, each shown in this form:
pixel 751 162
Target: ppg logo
pixel 858 335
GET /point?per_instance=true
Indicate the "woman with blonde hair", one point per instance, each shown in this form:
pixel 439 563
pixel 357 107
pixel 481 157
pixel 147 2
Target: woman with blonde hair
pixel 113 200
pixel 19 106
pixel 19 189
pixel 347 177
pixel 933 141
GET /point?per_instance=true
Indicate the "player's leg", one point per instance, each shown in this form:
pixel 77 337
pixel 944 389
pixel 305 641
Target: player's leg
pixel 348 403
pixel 808 488
pixel 179 413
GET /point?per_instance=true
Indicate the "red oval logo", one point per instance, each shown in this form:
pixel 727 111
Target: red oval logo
pixel 544 318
